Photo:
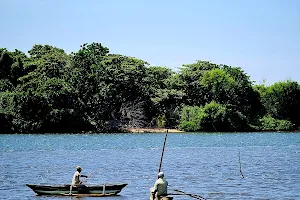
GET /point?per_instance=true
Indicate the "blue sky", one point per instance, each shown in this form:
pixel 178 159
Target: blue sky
pixel 262 37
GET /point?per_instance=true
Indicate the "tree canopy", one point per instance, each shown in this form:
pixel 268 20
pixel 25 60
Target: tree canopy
pixel 92 90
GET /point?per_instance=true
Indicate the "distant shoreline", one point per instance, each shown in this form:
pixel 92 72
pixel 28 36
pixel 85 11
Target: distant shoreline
pixel 152 130
pixel 157 130
pixel 163 130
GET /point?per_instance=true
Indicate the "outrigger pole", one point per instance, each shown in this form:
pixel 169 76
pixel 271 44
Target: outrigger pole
pixel 162 153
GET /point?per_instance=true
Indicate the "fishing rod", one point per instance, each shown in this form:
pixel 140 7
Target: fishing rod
pixel 183 193
pixel 162 153
pixel 195 196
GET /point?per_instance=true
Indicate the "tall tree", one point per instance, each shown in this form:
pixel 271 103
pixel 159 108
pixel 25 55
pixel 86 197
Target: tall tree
pixel 43 91
pixel 282 101
pixel 189 83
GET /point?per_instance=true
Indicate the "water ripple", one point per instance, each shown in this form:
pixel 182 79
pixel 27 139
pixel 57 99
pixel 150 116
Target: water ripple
pixel 204 164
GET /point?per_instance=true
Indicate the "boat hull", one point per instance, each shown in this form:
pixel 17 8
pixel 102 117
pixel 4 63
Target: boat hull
pixel 82 190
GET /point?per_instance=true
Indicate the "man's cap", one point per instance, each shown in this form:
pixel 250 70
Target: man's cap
pixel 160 174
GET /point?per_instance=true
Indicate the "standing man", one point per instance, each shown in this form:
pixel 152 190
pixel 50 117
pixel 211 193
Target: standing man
pixel 76 181
pixel 160 188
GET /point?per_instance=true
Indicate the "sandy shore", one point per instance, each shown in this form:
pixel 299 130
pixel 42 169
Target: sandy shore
pixel 152 130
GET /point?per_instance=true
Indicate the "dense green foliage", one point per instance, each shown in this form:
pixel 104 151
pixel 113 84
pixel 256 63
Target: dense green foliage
pixel 91 90
pixel 212 117
pixel 269 123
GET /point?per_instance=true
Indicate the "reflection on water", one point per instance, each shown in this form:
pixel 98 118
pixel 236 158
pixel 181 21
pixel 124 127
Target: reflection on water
pixel 203 164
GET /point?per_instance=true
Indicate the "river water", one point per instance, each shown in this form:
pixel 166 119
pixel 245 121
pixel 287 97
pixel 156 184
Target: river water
pixel 208 164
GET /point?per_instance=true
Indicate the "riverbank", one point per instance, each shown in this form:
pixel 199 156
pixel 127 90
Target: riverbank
pixel 152 130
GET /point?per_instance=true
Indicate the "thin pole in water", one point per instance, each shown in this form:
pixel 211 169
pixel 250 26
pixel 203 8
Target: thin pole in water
pixel 240 166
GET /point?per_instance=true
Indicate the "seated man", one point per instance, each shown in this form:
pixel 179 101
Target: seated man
pixel 76 181
pixel 160 188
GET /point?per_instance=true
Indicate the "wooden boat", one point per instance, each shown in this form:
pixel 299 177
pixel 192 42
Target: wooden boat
pixel 82 190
